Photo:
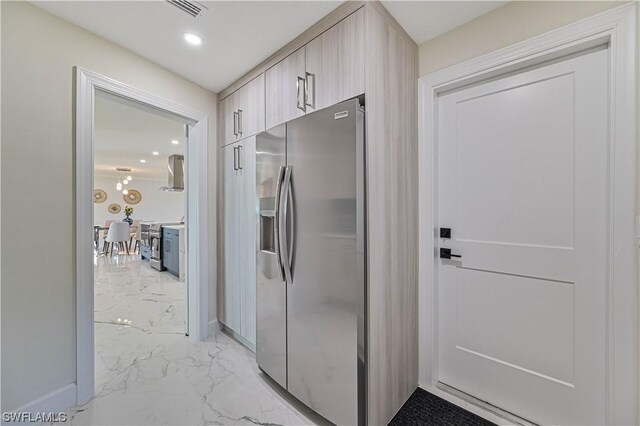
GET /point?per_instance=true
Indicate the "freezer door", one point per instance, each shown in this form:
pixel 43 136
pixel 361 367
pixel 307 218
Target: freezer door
pixel 325 154
pixel 271 296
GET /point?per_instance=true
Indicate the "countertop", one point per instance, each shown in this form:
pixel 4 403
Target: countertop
pixel 178 227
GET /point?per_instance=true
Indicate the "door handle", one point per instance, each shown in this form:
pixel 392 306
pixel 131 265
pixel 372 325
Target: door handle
pixel 240 166
pixel 310 89
pixel 300 85
pixel 445 253
pixel 240 121
pixel 276 221
pixel 235 123
pixel 285 254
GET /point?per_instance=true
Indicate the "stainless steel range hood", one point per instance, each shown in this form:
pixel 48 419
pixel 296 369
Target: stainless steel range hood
pixel 176 174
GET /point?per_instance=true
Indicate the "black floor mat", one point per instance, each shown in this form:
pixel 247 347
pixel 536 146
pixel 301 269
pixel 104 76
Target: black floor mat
pixel 424 408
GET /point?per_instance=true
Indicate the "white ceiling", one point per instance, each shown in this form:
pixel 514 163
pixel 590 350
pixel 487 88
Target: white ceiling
pixel 424 20
pixel 125 134
pixel 237 35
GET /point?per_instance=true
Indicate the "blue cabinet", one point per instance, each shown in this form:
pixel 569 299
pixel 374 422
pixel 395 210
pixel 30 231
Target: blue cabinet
pixel 171 250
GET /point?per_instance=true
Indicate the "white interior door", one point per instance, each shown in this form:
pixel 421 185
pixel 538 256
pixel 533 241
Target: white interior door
pixel 523 186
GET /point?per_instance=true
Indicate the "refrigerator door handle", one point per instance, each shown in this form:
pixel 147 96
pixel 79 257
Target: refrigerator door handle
pixel 285 194
pixel 276 221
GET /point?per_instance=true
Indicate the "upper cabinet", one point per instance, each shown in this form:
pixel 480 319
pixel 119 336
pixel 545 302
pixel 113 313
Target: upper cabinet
pixel 327 70
pixel 335 63
pixel 241 114
pixel 285 89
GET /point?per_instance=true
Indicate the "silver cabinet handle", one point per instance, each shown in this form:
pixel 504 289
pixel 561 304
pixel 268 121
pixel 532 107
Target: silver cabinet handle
pixel 240 166
pixel 310 90
pixel 235 123
pixel 285 254
pixel 300 86
pixel 235 158
pixel 276 221
pixel 240 121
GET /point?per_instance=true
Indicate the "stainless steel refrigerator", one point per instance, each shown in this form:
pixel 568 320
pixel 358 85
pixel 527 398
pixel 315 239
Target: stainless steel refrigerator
pixel 311 254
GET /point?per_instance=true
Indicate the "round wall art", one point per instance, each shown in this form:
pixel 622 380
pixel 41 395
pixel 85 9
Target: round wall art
pixel 114 208
pixel 99 196
pixel 133 197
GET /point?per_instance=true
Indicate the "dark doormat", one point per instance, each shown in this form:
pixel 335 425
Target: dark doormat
pixel 424 408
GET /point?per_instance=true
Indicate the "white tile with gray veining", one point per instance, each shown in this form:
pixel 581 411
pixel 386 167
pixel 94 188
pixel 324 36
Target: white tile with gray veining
pixel 149 372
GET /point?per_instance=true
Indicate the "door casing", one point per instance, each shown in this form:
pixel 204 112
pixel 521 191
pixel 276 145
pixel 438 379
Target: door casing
pixel 616 29
pixel 197 273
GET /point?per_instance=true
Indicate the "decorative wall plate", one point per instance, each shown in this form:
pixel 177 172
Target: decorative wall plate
pixel 99 196
pixel 133 197
pixel 114 208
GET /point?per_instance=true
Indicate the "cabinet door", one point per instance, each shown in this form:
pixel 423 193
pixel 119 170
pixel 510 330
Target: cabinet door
pixel 335 63
pixel 230 315
pixel 227 126
pixel 247 244
pixel 250 104
pixel 284 99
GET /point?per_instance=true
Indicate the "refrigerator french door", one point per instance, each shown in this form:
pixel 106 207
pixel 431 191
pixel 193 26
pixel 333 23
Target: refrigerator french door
pixel 311 260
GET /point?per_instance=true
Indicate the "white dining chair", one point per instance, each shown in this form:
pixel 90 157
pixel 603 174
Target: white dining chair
pixel 118 233
pixel 134 235
pixel 107 223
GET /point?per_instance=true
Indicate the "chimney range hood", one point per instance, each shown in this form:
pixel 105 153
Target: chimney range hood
pixel 176 174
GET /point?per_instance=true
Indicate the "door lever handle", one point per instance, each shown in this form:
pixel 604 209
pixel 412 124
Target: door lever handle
pixel 445 253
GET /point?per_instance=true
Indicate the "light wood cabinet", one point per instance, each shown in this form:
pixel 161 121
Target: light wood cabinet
pixel 250 108
pixel 227 122
pixel 229 291
pixel 241 114
pixel 335 63
pixel 284 89
pixel 357 49
pixel 237 313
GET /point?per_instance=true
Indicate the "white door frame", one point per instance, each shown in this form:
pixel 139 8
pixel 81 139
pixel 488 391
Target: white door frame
pixel 617 28
pixel 197 273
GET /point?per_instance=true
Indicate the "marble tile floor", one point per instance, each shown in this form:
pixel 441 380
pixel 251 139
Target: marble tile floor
pixel 149 373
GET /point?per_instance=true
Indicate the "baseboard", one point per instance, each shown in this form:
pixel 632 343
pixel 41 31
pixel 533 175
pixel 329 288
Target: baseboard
pixel 54 402
pixel 214 328
pixel 238 338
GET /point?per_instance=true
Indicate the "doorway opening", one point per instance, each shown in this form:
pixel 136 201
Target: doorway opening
pixel 140 253
pixel 141 226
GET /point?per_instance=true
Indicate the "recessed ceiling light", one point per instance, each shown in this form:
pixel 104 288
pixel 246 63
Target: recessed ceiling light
pixel 192 39
pixel 143 160
pixel 175 142
pixel 155 153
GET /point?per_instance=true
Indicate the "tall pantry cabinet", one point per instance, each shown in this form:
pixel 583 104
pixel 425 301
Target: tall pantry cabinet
pixel 358 50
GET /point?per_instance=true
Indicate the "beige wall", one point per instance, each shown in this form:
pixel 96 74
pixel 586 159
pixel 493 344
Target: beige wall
pixel 516 21
pixel 37 175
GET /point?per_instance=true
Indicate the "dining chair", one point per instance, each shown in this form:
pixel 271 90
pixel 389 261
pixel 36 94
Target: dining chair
pixel 118 233
pixel 135 232
pixel 107 223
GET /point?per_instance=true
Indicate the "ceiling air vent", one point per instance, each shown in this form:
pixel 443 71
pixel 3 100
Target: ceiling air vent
pixel 193 8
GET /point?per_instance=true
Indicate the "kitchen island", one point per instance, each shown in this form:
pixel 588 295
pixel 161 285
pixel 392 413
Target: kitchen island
pixel 173 244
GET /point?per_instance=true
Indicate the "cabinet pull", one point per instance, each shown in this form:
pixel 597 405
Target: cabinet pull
pixel 300 85
pixel 240 121
pixel 235 158
pixel 240 166
pixel 310 90
pixel 235 123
